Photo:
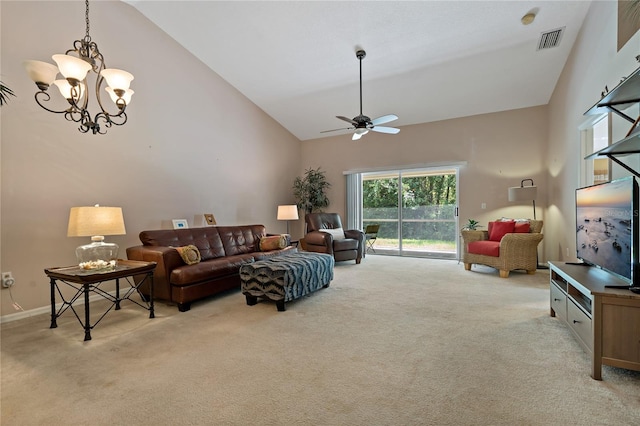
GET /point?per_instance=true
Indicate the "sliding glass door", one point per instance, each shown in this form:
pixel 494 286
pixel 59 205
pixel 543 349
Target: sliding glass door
pixel 380 201
pixel 416 211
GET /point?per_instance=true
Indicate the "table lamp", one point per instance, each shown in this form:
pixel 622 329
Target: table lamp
pixel 96 222
pixel 288 212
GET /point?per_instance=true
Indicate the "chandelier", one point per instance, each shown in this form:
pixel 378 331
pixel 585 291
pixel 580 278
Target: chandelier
pixel 74 66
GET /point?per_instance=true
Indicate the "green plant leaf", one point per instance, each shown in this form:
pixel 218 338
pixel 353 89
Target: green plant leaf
pixel 5 92
pixel 309 190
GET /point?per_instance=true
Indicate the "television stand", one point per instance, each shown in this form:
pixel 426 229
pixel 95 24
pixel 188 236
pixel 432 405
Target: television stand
pixel 604 320
pixel 577 263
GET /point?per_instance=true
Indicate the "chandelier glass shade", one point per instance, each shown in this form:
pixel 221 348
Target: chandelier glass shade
pixel 76 65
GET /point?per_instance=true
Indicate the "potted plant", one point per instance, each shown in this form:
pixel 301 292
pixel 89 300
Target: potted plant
pixel 309 190
pixel 472 225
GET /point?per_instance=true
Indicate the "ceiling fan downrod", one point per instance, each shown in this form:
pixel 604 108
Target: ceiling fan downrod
pixel 360 54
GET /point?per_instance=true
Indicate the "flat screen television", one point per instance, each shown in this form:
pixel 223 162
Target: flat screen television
pixel 607 227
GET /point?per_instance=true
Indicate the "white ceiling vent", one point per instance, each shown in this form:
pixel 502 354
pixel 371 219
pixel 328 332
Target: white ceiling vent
pixel 550 39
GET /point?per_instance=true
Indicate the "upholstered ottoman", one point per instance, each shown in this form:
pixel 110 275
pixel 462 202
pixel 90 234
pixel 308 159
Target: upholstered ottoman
pixel 286 277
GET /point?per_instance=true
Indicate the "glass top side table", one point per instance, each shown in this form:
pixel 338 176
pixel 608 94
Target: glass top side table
pixel 85 282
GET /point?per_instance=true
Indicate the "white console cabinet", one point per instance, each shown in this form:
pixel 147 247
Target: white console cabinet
pixel 605 321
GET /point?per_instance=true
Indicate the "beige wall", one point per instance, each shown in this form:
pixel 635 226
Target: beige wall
pixel 499 149
pixel 192 145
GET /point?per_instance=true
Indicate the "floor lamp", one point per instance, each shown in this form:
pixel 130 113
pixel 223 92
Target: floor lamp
pixel 526 193
pixel 288 212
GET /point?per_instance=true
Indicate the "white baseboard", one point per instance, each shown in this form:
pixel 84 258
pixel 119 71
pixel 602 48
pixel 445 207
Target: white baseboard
pixel 47 309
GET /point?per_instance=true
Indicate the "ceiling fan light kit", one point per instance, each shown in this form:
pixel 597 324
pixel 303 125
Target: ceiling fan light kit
pixel 361 123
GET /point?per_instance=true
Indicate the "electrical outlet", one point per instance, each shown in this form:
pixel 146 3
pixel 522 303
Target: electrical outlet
pixel 7 279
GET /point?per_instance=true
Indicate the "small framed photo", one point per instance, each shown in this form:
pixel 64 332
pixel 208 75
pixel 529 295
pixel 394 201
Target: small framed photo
pixel 180 223
pixel 210 219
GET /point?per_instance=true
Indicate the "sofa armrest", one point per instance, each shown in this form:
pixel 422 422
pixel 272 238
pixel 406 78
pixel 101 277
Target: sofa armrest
pixel 356 234
pixel 318 238
pixel 519 242
pixel 469 236
pixel 166 258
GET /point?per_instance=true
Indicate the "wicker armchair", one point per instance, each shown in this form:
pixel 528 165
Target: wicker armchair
pixel 516 250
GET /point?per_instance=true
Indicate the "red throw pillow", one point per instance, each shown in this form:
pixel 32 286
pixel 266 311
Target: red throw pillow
pixel 500 228
pixel 522 228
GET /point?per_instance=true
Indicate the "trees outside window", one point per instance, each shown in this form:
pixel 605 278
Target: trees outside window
pixel 426 222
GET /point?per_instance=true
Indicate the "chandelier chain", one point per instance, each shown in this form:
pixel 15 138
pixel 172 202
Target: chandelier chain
pixel 86 19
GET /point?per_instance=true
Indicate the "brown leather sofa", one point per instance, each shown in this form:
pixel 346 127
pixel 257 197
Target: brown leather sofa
pixel 222 251
pixel 326 235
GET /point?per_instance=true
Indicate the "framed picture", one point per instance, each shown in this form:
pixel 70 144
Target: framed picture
pixel 180 223
pixel 210 219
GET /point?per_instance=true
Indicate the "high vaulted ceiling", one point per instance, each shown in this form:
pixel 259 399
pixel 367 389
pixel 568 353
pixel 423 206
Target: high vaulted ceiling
pixel 426 60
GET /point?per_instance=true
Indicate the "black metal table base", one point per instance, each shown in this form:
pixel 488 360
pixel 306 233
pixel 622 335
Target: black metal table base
pixel 86 288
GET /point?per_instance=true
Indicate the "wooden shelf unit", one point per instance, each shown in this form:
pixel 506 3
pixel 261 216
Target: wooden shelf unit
pixel 624 95
pixel 605 321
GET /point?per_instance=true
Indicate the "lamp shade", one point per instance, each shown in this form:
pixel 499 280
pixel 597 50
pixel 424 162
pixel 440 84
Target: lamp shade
pixel 523 193
pixel 72 67
pixel 94 221
pixel 41 72
pixel 117 79
pixel 288 212
pixel 114 96
pixel 65 90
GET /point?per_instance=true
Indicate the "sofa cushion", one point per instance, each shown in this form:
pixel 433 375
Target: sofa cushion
pixel 241 239
pixel 209 270
pixel 273 242
pixel 498 229
pixel 189 254
pixel 207 240
pixel 485 247
pixel 337 233
pixel 345 244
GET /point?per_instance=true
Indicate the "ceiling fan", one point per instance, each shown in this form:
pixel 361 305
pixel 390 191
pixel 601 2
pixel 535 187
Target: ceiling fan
pixel 362 124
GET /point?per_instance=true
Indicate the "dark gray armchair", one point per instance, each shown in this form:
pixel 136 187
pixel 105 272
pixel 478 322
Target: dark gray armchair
pixel 325 234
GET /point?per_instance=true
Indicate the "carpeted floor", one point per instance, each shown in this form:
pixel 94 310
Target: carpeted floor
pixel 393 341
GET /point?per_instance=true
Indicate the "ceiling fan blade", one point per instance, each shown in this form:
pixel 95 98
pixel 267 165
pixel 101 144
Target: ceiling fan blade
pixel 348 120
pixel 382 129
pixel 384 119
pixel 335 130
